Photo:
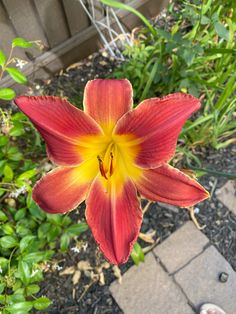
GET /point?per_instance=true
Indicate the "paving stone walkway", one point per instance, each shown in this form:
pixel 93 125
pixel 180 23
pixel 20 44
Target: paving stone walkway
pixel 177 277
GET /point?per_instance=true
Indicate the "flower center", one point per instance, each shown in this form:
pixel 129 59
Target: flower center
pixel 106 163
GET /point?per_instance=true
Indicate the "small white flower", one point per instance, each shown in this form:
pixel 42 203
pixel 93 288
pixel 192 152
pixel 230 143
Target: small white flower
pixel 20 63
pixel 75 249
pixel 0 269
pixel 57 267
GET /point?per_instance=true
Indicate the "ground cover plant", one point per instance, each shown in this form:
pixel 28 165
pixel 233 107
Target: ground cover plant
pixel 193 50
pixel 28 237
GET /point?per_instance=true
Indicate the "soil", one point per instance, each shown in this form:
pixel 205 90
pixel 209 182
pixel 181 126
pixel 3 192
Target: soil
pixel 90 294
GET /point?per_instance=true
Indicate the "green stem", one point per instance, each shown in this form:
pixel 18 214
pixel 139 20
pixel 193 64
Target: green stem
pixel 214 172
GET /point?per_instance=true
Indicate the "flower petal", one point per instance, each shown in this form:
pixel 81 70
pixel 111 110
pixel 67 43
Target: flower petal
pixel 115 217
pixel 64 188
pixel 60 124
pixel 156 124
pixel 169 185
pixel 107 100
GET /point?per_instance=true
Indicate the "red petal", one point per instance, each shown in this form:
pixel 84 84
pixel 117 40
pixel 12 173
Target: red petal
pixel 64 188
pixel 156 124
pixel 60 124
pixel 107 100
pixel 169 185
pixel 114 218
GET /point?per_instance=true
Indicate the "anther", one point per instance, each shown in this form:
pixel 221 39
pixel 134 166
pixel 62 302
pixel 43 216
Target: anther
pixel 111 164
pixel 101 167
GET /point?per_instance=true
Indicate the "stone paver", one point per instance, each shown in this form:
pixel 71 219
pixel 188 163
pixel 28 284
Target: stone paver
pixel 147 289
pixel 181 247
pixel 184 276
pixel 200 281
pixel 227 195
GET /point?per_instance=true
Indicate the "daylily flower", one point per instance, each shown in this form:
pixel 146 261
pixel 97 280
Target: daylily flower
pixel 107 153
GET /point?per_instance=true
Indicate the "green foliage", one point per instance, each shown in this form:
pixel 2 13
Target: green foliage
pixel 195 55
pixel 137 254
pixel 17 75
pixel 28 236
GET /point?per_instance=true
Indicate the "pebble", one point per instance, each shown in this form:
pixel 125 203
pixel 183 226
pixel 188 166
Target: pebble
pixel 223 277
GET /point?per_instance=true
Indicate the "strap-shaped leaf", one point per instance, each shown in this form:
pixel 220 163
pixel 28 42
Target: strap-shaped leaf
pixel 21 42
pixel 3 58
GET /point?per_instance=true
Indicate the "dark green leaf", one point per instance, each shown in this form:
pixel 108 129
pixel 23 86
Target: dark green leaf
pixel 137 254
pixel 76 229
pixel 42 303
pixel 64 242
pixel 17 75
pixel 21 42
pixel 3 58
pixel 20 214
pixel 7 93
pixel 36 257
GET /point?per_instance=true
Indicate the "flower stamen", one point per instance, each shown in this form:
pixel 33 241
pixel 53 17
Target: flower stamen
pixel 101 167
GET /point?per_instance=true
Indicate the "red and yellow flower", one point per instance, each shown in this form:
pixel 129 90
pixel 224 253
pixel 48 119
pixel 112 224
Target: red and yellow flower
pixel 107 153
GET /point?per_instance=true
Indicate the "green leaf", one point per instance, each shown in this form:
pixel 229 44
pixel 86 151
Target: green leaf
pixel 64 242
pixel 137 254
pixel 17 131
pixel 27 174
pixel 17 75
pixel 25 242
pixel 3 216
pixel 3 263
pixel 36 257
pixel 53 233
pixel 2 287
pixel 32 289
pixel 20 308
pixel 7 93
pixel 7 229
pixel 20 214
pixel 21 42
pixel 8 173
pixel 3 58
pixel 42 303
pixel 8 242
pixel 3 140
pixel 33 208
pixel 24 272
pixel 221 30
pixel 76 229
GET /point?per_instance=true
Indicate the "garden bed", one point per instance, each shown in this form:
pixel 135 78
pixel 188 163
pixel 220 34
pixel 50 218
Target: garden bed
pixel 91 293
